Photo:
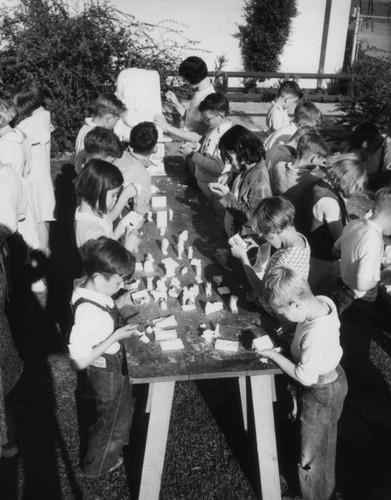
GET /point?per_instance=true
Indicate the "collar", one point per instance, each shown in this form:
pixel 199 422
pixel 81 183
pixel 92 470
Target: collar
pixel 143 159
pixel 79 291
pixel 375 225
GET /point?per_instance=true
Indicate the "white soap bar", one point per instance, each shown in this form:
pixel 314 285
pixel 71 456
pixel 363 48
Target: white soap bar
pixel 167 322
pixel 164 334
pixel 189 307
pixel 161 218
pixel 169 262
pixel 208 335
pixel 144 339
pixel 227 345
pixel 223 290
pixel 132 219
pixel 263 342
pixel 158 201
pixel 172 345
pixel 212 307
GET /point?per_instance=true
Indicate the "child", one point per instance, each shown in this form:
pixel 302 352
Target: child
pixel 249 182
pixel 273 220
pixel 134 164
pixel 316 353
pixel 361 251
pixel 306 113
pixel 34 122
pixel 96 351
pixel 99 186
pixel 106 113
pixel 291 179
pixel 322 214
pixel 288 94
pixel 208 165
pixel 195 72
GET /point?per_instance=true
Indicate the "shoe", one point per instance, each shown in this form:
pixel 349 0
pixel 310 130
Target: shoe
pixel 120 461
pixel 9 452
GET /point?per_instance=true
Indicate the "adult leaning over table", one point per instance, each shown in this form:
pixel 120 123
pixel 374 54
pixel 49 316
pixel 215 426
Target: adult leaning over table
pixel 247 182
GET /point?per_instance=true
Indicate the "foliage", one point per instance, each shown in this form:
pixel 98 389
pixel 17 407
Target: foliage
pixel 265 33
pixel 75 55
pixel 220 62
pixel 371 97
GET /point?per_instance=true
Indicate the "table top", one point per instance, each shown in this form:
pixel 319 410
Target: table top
pixel 199 359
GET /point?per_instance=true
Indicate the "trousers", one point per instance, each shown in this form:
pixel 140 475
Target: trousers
pixel 105 410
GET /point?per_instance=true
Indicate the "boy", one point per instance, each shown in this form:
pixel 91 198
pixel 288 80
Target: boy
pixel 134 164
pixel 306 113
pixel 104 394
pixel 291 179
pixel 288 94
pixel 316 353
pixel 361 251
pixel 208 165
pixel 195 72
pixel 106 113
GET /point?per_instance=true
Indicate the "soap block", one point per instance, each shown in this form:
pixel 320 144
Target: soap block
pixel 223 290
pixel 141 297
pixel 132 219
pixel 144 339
pixel 161 335
pixel 227 345
pixel 161 218
pixel 159 201
pixel 212 307
pixel 188 307
pixel 172 345
pixel 167 322
pixel 261 343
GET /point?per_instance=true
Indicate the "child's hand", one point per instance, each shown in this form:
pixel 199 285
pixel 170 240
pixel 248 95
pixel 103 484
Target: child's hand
pixel 267 353
pixel 161 122
pixel 131 241
pixel 172 98
pixel 125 332
pixel 239 251
pixel 219 189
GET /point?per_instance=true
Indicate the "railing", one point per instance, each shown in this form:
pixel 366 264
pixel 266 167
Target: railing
pixel 239 93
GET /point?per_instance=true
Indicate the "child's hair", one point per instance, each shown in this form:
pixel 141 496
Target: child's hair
pixel 305 129
pixel 283 285
pixel 95 180
pixel 273 215
pixel 143 137
pixel 107 257
pixel 306 113
pixel 193 69
pixel 215 102
pixel 102 142
pixel 108 104
pixel 383 201
pixel 7 113
pixel 245 144
pixel 346 173
pixel 311 144
pixel 367 132
pixel 28 98
pixel 290 87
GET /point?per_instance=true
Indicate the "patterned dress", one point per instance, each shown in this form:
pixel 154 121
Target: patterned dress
pixel 11 366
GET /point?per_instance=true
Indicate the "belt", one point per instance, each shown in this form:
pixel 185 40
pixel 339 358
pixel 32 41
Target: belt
pixel 327 378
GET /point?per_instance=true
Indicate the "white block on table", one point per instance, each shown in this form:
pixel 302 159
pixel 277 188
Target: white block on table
pixel 167 322
pixel 264 342
pixel 159 201
pixel 227 345
pixel 172 345
pixel 164 334
pixel 161 218
pixel 211 307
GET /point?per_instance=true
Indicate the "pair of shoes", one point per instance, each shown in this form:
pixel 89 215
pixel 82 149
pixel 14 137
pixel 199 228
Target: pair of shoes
pixel 9 452
pixel 120 461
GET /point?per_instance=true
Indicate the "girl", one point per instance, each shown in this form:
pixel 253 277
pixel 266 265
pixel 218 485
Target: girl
pixel 323 214
pixel 249 180
pixel 273 219
pixel 99 186
pixel 34 121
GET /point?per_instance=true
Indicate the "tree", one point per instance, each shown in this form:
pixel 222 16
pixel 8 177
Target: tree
pixel 75 55
pixel 370 100
pixel 265 33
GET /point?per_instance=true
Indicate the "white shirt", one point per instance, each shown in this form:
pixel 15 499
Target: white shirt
pixel 276 137
pixel 90 227
pixel 277 117
pixel 92 325
pixel 361 246
pixel 12 199
pixel 193 119
pixel 315 348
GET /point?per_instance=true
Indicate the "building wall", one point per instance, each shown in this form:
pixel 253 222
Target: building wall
pixel 302 52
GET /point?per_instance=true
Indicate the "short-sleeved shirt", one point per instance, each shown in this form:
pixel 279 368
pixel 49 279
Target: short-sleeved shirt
pixel 92 324
pixel 277 117
pixel 316 349
pixel 91 227
pixel 281 135
pixel 361 246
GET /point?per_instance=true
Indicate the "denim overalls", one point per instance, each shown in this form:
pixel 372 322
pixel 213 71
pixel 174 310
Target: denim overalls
pixel 105 406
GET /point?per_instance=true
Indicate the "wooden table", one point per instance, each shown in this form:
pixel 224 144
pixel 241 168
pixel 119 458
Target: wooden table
pixel 198 360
